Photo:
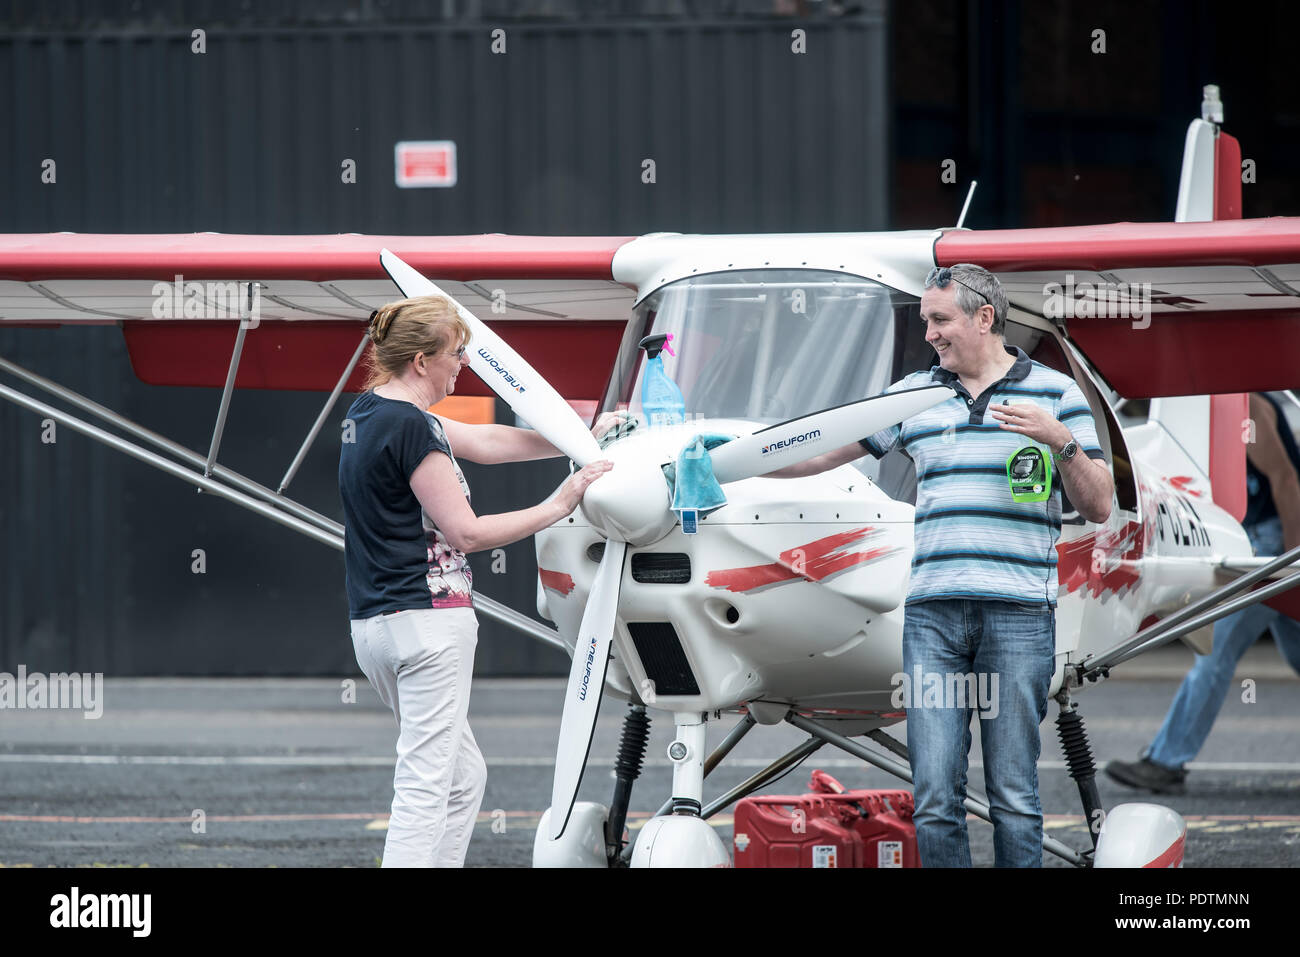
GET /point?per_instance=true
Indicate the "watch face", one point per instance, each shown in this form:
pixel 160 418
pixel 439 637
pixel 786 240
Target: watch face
pixel 1070 448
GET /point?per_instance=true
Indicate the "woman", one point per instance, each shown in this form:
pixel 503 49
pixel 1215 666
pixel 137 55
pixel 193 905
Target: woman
pixel 409 525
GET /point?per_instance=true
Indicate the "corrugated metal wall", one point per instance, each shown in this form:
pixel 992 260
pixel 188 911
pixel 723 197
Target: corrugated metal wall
pixel 551 135
pixel 96 548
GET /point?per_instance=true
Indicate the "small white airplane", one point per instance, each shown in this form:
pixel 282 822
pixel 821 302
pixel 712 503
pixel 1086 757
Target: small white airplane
pixel 785 603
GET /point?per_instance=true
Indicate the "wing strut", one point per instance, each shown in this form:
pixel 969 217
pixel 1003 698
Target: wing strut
pixel 246 310
pixel 227 484
pixel 167 445
pixel 324 414
pixel 1204 611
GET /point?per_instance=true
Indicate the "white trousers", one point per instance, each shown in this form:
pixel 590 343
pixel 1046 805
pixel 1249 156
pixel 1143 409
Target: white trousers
pixel 420 662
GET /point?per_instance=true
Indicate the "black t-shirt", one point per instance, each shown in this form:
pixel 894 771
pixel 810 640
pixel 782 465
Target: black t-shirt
pixel 395 556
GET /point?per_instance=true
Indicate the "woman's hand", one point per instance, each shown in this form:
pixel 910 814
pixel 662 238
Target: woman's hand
pixel 609 420
pixel 571 492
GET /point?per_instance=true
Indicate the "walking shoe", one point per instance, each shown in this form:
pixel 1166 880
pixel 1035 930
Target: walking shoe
pixel 1147 775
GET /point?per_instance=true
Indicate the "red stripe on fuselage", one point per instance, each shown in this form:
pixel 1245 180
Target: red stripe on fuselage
pixel 814 562
pixel 1104 560
pixel 556 581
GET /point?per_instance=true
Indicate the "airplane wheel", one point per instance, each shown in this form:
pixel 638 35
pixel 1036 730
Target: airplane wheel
pixel 677 840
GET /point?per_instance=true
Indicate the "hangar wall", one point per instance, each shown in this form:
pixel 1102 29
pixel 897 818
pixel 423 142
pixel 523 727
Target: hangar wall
pixel 98 551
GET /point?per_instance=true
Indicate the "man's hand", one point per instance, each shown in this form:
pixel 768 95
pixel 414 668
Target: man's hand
pixel 1088 483
pixel 1034 422
pixel 610 420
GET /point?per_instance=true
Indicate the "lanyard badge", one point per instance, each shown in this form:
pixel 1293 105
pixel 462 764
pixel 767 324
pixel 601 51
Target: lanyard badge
pixel 1029 473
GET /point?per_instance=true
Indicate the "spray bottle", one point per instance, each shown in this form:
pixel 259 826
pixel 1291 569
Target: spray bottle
pixel 661 400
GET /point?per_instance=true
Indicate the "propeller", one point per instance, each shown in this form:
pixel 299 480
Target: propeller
pixel 506 373
pixel 795 441
pixel 586 683
pixel 630 503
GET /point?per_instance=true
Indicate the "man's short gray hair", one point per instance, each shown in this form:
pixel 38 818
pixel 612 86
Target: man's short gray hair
pixel 977 287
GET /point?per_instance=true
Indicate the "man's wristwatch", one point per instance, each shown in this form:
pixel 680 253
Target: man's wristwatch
pixel 1068 451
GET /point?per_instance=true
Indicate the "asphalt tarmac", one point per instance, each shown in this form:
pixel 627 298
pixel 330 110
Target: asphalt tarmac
pixel 276 773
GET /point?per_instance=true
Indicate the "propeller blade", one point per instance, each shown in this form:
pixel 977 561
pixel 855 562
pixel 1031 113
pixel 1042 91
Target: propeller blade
pixel 803 438
pixel 506 373
pixel 586 682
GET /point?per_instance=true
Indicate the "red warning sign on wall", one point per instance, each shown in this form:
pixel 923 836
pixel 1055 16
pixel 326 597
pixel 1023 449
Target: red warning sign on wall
pixel 425 163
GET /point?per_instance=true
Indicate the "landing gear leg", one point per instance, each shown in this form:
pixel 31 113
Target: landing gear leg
pixel 627 768
pixel 1079 764
pixel 683 838
pixel 1131 835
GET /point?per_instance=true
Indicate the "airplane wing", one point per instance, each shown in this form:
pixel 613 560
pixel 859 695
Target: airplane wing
pixel 174 296
pixel 1224 298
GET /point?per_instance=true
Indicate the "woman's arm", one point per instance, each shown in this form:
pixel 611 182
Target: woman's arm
pixel 435 484
pixel 495 444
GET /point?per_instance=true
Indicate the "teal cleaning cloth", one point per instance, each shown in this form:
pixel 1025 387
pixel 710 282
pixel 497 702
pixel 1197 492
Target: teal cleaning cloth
pixel 691 477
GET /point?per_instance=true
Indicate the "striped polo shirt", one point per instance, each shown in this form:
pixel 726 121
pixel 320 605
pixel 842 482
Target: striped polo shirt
pixel 972 539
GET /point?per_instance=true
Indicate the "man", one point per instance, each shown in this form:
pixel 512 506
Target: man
pixel 982 597
pixel 1272 521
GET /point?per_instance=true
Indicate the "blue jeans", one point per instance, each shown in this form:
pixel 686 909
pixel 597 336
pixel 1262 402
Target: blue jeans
pixel 1010 649
pixel 1203 691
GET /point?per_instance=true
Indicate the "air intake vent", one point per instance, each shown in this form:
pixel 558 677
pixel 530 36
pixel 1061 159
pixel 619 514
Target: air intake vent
pixel 661 568
pixel 596 551
pixel 662 657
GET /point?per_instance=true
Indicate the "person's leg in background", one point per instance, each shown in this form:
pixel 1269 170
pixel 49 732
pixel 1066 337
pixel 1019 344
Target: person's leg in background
pixel 936 642
pixel 1203 690
pixel 1286 634
pixel 1201 695
pixel 1268 540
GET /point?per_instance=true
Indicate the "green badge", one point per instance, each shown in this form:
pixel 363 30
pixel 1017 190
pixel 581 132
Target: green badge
pixel 1029 473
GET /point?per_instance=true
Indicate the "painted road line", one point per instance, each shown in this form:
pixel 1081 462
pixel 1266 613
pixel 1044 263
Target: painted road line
pixel 530 761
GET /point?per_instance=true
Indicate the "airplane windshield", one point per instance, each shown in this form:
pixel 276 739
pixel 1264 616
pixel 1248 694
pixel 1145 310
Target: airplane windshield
pixel 769 345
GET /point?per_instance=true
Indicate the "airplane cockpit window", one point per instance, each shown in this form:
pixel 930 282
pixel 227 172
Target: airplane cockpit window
pixel 771 345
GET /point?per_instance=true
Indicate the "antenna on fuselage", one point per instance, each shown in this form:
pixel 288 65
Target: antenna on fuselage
pixel 970 194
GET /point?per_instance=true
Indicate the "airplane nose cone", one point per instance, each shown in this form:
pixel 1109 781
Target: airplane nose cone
pixel 630 502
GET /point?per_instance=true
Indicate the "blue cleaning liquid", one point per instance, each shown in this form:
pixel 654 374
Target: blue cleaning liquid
pixel 661 400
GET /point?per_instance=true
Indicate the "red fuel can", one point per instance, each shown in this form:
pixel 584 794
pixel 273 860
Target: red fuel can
pixel 830 827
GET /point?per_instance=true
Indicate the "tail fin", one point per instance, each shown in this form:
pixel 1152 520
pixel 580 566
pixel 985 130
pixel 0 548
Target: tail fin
pixel 1209 428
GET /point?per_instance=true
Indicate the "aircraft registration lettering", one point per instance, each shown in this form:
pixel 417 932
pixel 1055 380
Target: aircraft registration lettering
pixel 1185 527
